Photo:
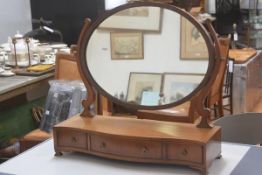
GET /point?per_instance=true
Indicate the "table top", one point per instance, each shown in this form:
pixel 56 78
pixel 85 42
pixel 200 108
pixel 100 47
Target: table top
pixel 40 160
pixel 157 130
pixel 242 55
pixel 11 83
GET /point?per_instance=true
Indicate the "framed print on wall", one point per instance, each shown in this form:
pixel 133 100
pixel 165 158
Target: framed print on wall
pixel 192 44
pixel 126 45
pixel 137 18
pixel 178 85
pixel 139 83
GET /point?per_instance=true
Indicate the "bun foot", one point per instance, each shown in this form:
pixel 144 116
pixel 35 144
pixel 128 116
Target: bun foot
pixel 58 153
pixel 219 156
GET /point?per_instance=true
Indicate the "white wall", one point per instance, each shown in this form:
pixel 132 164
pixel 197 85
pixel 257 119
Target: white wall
pixel 109 4
pixel 161 54
pixel 211 6
pixel 14 15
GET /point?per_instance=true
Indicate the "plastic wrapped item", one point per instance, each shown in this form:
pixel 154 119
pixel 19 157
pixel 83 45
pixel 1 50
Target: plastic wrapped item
pixel 63 100
pixel 79 94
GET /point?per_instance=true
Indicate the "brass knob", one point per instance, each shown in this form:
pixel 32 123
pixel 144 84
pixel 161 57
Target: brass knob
pixel 145 150
pixel 103 145
pixel 184 152
pixel 74 139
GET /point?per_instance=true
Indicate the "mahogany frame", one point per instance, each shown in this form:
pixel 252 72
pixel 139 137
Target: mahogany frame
pixel 89 81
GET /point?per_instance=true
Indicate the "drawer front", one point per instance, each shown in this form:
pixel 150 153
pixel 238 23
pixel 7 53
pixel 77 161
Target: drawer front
pixel 185 152
pixel 72 139
pixel 126 147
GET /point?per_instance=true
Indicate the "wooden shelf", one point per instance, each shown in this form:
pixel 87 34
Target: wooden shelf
pixel 242 55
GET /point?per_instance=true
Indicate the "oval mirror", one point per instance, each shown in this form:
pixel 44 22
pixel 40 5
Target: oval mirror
pixel 147 55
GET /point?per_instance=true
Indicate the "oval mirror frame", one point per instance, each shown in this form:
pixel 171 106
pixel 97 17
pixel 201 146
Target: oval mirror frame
pixel 89 29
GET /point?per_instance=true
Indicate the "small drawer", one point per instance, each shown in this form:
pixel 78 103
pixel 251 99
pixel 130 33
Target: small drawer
pixel 186 152
pixel 72 139
pixel 126 147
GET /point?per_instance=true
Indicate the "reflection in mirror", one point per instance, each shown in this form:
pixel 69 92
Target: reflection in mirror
pixel 147 56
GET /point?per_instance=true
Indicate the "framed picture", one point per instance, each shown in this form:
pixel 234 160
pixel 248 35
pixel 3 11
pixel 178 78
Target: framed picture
pixel 140 84
pixel 192 44
pixel 178 85
pixel 126 46
pixel 137 18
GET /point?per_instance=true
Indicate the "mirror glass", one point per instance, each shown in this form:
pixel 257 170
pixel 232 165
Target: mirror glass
pixel 147 56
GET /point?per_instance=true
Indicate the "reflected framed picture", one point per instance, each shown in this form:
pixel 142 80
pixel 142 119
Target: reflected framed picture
pixel 178 85
pixel 141 83
pixel 137 18
pixel 127 45
pixel 192 43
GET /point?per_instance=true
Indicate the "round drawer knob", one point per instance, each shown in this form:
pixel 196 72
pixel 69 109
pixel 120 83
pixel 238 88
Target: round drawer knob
pixel 103 145
pixel 184 152
pixel 145 150
pixel 74 140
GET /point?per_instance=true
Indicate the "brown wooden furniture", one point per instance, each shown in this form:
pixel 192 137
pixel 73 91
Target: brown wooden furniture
pixel 33 138
pixel 236 56
pixel 228 87
pixel 247 83
pixel 242 55
pixel 12 87
pixel 215 98
pixel 139 140
pixel 130 139
pixel 65 69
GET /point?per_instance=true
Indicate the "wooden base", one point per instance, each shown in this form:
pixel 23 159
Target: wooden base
pixel 140 140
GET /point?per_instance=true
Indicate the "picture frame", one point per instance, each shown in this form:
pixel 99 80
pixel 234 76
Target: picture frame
pixel 143 82
pixel 192 44
pixel 178 85
pixel 137 18
pixel 126 45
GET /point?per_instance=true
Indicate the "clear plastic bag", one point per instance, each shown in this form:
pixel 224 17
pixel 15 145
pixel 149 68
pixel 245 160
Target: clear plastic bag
pixel 64 100
pixel 79 94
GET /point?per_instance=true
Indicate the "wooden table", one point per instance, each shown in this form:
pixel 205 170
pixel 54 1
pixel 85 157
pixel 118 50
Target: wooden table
pixel 242 55
pixel 40 160
pixel 17 85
